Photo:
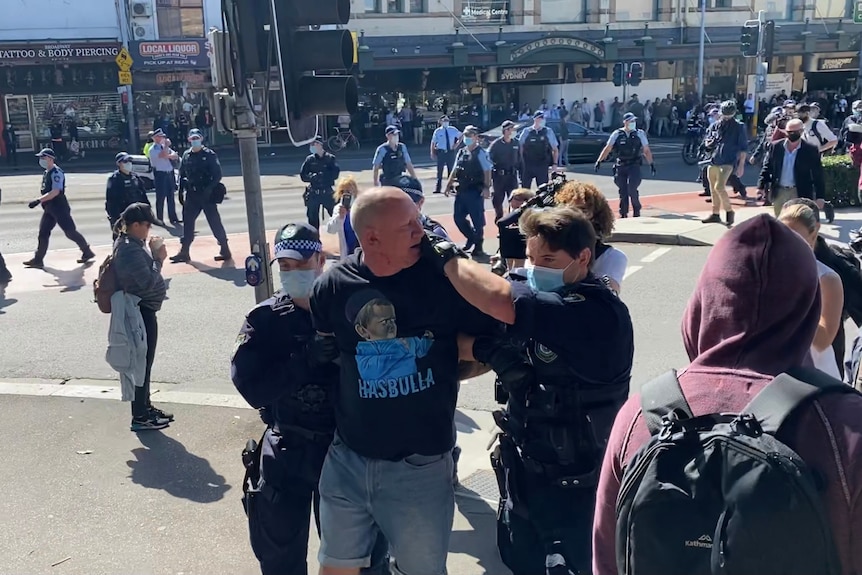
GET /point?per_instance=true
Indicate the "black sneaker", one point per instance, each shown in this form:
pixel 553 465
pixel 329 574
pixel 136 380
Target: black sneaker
pixel 87 257
pixel 160 414
pixel 34 263
pixel 829 212
pixel 148 423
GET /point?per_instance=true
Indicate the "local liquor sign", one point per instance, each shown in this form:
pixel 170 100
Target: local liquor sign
pixel 58 53
pixel 170 55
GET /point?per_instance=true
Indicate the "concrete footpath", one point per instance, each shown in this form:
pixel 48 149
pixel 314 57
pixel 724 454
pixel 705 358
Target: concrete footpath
pixel 87 497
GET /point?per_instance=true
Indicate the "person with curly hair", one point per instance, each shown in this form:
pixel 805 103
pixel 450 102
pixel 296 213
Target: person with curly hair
pixel 346 190
pixel 609 262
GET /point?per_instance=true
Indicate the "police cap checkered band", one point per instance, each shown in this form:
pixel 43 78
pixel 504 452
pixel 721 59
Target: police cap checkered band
pixel 297 241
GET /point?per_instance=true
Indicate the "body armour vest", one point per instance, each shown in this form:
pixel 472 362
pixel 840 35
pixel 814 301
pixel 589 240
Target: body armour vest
pixel 393 162
pixel 470 173
pixel 537 148
pixel 628 148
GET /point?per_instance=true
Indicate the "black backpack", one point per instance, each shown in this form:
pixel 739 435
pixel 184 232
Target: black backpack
pixel 720 493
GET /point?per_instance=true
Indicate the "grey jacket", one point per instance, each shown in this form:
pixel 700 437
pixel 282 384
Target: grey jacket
pixel 138 273
pixel 127 343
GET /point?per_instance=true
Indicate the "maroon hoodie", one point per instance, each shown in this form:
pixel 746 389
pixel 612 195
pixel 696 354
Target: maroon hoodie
pixel 752 316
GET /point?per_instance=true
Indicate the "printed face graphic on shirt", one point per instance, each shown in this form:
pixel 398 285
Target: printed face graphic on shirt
pixel 386 364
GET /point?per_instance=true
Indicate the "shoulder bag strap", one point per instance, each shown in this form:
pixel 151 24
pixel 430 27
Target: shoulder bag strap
pixel 662 396
pixel 787 392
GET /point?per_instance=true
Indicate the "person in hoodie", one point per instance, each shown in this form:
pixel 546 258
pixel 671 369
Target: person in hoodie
pixel 752 316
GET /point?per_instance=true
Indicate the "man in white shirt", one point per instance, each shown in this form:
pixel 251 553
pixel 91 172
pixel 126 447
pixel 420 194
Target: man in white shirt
pixel 748 110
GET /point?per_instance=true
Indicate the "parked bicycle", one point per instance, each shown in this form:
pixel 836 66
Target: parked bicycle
pixel 341 140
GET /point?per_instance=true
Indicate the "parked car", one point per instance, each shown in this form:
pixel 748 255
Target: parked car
pixel 142 167
pixel 584 144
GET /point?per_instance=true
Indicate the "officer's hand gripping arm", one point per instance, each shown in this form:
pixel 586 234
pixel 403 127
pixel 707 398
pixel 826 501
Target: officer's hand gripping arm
pixel 507 360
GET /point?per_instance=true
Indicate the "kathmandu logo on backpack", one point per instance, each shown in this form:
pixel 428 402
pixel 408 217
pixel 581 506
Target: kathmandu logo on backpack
pixel 704 541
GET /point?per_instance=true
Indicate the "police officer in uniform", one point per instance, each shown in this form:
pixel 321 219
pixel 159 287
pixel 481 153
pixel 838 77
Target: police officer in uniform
pixel 539 149
pixel 56 212
pixel 201 190
pixel 472 174
pixel 392 158
pixel 124 189
pixel 281 368
pixel 444 141
pixel 563 395
pixel 505 154
pixel 319 171
pixel 630 146
pixel 413 188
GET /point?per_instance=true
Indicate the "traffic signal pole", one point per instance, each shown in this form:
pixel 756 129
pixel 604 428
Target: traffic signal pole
pixel 760 76
pixel 625 80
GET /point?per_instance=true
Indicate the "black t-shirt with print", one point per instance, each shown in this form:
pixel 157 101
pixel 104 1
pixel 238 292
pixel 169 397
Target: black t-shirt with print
pixel 399 355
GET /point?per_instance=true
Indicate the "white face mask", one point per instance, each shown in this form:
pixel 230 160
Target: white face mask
pixel 445 124
pixel 632 126
pixel 298 283
pixel 393 140
pixel 126 166
pixel 44 163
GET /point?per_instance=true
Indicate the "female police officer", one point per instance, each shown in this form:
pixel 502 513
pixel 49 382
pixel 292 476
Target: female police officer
pixel 279 367
pixel 579 341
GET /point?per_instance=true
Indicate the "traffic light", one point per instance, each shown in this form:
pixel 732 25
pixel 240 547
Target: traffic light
pixel 748 40
pixel 636 73
pixel 313 63
pixel 619 74
pixel 768 39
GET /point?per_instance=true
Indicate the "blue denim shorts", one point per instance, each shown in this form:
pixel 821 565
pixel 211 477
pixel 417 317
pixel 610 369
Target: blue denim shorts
pixel 412 502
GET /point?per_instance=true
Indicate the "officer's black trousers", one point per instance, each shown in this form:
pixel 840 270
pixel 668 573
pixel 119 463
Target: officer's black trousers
pixel 166 186
pixel 628 179
pixel 318 199
pixel 191 210
pixel 279 512
pixel 445 159
pixel 141 402
pixel 469 203
pixel 58 216
pixel 534 172
pixel 3 269
pixel 504 182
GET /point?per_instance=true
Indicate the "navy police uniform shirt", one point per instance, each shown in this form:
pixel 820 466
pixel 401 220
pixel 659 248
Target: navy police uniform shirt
pixel 586 324
pixel 54 179
pixel 199 172
pixel 269 366
pixel 122 191
pixel 399 355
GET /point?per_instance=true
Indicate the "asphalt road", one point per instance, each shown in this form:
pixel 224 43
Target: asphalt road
pixel 57 334
pixel 282 197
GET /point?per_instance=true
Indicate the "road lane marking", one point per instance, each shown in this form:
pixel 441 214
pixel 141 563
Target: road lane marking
pixel 630 270
pixel 113 392
pixel 654 255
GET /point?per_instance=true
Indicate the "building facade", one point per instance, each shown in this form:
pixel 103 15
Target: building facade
pixel 492 54
pixel 66 85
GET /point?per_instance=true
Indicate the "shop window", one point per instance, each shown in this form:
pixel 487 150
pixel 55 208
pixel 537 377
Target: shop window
pixel 170 110
pixel 95 120
pixel 372 6
pixel 563 11
pixel 830 9
pixel 774 9
pixel 394 6
pixel 417 6
pixel 634 11
pixel 180 18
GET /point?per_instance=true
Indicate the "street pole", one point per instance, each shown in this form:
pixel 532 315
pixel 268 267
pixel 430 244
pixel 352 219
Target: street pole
pixel 625 80
pixel 702 49
pixel 760 75
pixel 246 135
pixel 123 15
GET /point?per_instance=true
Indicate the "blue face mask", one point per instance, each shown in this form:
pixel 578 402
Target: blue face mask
pixel 468 141
pixel 197 144
pixel 297 283
pixel 546 279
pixel 541 123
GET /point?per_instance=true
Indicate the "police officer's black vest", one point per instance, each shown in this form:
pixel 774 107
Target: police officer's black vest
pixel 508 158
pixel 469 172
pixel 393 163
pixel 47 186
pixel 628 148
pixel 198 170
pixel 537 148
pixel 562 424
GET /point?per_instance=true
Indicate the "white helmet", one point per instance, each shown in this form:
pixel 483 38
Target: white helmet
pixel 857 106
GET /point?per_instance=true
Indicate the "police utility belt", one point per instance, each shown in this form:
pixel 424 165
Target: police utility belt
pixel 505 171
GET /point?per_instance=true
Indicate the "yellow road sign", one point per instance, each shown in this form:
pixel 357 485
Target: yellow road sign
pixel 125 78
pixel 124 60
